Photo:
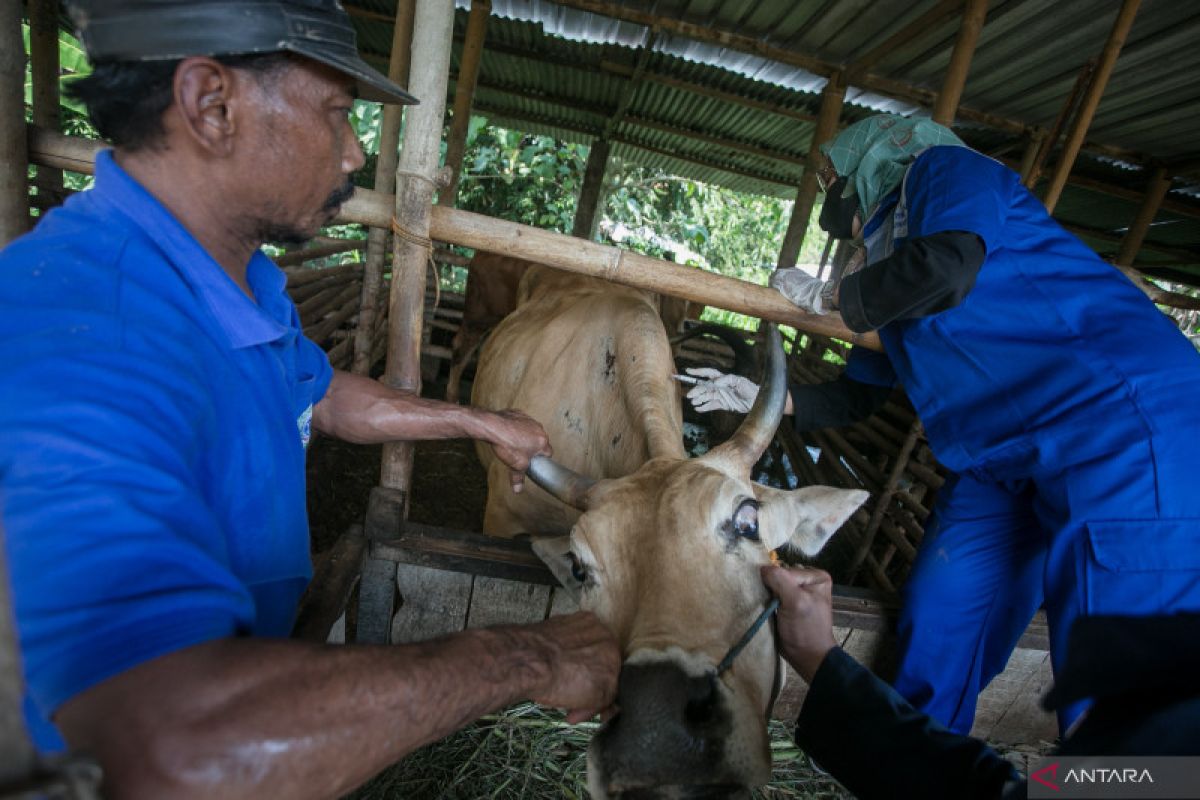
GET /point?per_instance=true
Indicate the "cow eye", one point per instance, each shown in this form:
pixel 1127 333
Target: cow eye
pixel 745 520
pixel 578 571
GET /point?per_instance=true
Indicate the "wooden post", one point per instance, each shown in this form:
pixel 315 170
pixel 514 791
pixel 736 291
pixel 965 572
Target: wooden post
pixel 1156 189
pixel 591 194
pixel 433 31
pixel 1108 59
pixel 806 195
pixel 1029 155
pixel 385 181
pixel 44 66
pixel 464 94
pixel 14 156
pixel 960 62
pixel 1031 175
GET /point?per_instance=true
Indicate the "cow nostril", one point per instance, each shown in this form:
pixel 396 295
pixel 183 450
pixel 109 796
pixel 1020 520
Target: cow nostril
pixel 701 699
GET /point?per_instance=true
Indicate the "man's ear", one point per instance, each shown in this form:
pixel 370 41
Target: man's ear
pixel 206 95
pixel 805 518
pixel 555 552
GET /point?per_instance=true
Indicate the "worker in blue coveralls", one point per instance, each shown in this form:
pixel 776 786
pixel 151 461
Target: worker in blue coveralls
pixel 158 394
pixel 1060 397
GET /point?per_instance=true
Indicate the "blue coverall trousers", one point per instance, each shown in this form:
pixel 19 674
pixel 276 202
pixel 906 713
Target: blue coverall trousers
pixel 1113 533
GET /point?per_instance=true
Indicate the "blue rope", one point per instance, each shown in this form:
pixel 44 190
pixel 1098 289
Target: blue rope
pixel 736 650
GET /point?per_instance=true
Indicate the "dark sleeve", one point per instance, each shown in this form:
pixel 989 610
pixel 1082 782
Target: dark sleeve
pixel 877 745
pixel 924 276
pixel 835 404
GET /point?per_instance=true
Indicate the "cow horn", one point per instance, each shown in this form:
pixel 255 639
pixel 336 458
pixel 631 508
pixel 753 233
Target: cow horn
pixel 757 430
pixel 564 484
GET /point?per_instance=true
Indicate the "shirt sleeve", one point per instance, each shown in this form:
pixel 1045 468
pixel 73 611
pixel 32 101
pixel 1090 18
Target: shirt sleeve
pixel 924 276
pixel 878 746
pixel 836 404
pixel 312 360
pixel 115 557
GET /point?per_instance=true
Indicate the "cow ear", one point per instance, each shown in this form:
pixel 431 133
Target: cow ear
pixel 805 518
pixel 555 553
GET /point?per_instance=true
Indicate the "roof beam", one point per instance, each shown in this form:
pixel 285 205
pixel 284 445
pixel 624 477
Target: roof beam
pixel 597 131
pixel 920 26
pixel 571 103
pixel 748 44
pixel 1124 192
pixel 697 88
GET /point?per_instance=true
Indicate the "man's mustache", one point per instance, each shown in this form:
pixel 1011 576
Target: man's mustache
pixel 339 196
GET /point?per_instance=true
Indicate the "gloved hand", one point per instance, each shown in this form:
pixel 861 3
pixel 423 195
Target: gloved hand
pixel 802 289
pixel 721 392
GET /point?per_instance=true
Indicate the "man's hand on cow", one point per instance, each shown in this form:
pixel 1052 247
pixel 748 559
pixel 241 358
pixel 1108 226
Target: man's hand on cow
pixel 584 664
pixel 720 392
pixel 805 615
pixel 516 438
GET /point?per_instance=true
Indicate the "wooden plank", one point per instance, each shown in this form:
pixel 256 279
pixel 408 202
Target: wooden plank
pixel 431 546
pixel 496 601
pixel 434 602
pixel 1023 719
pixel 334 575
pixel 1008 708
pixel 561 602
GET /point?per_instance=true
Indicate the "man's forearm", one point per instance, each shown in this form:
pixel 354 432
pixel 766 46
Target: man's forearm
pixel 358 409
pixel 247 718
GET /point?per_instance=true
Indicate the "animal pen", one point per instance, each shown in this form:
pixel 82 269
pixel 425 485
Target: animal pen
pixel 670 87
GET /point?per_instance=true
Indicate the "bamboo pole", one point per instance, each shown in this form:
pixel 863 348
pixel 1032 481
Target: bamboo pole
pixel 591 194
pixel 960 62
pixel 1031 174
pixel 1108 59
pixel 433 26
pixel 296 257
pixel 1029 154
pixel 557 250
pixel 1156 189
pixel 899 462
pixel 14 158
pixel 464 95
pixel 385 182
pixel 44 70
pixel 806 195
pixel 919 27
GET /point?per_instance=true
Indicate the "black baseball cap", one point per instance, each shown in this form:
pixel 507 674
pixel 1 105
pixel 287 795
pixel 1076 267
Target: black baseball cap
pixel 155 30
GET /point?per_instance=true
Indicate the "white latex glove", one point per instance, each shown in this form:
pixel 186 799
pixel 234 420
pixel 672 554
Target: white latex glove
pixel 721 392
pixel 800 288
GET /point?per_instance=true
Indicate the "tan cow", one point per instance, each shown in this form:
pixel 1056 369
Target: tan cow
pixel 667 550
pixel 491 295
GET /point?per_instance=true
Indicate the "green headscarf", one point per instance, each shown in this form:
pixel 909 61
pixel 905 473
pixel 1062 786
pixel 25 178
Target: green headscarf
pixel 875 152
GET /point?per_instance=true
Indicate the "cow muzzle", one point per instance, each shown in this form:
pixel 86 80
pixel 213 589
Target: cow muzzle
pixel 670 738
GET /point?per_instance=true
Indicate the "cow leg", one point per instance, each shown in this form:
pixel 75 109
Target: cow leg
pixel 464 348
pixel 975 585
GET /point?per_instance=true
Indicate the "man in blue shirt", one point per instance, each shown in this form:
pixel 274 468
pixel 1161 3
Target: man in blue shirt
pixel 1061 398
pixel 158 397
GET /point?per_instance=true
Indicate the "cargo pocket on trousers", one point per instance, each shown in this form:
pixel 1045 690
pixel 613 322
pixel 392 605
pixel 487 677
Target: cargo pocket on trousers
pixel 1140 567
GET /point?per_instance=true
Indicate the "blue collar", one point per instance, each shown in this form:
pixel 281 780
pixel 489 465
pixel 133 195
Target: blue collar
pixel 244 322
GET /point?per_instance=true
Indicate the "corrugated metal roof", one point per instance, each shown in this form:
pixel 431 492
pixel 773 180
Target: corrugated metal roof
pixel 744 121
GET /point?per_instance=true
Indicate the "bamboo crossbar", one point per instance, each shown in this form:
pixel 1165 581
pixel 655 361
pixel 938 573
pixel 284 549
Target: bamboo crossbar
pixel 568 253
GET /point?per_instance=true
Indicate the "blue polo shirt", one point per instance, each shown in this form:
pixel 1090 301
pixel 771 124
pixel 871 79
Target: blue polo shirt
pixel 152 431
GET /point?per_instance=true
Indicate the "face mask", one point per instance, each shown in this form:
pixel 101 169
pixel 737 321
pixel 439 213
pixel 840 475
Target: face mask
pixel 837 215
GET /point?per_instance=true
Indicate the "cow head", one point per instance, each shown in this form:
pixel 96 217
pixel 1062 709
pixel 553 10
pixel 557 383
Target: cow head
pixel 669 558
